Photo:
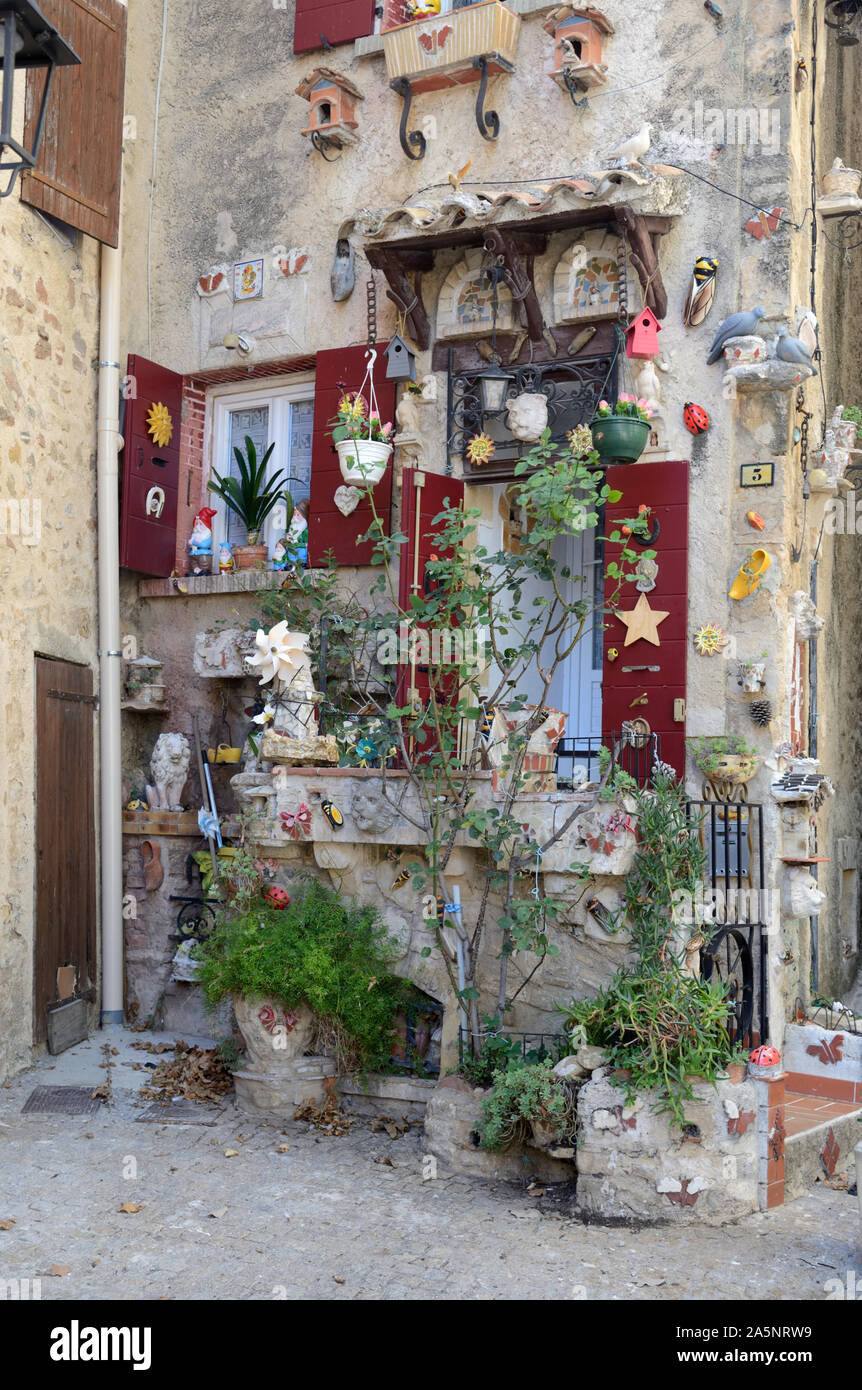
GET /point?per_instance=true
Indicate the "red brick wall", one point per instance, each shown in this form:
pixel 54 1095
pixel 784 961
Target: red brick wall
pixel 192 492
pixel 394 12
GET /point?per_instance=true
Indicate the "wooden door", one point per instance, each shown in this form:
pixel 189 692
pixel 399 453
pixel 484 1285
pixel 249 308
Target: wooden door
pixel 65 838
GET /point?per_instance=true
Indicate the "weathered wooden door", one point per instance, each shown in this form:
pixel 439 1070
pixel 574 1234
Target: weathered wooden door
pixel 65 838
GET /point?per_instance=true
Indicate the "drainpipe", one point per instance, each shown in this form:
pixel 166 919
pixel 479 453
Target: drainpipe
pixel 110 653
pixel 813 713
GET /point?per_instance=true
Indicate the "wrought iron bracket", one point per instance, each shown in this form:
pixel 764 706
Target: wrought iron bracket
pixel 413 138
pixel 322 143
pixel 487 121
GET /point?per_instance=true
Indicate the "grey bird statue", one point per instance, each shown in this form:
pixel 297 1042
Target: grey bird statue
pixel 737 326
pixel 791 349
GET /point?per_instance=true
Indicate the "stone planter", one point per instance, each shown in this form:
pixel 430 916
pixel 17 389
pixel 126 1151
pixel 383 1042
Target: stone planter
pixel 363 461
pixel 729 769
pixel 840 191
pixel 273 1036
pixel 619 438
pixel 280 1072
pixel 451 1136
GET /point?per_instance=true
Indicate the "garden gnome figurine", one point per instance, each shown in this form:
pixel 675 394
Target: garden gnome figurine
pixel 226 562
pixel 201 540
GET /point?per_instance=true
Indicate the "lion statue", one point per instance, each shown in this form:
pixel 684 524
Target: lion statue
pixel 169 768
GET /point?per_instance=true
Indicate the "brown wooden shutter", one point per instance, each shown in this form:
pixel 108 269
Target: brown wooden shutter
pixel 77 175
pixel 664 488
pixel 338 21
pixel 148 531
pixel 337 370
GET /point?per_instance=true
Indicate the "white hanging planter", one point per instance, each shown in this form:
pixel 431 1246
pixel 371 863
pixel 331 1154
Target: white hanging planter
pixel 363 461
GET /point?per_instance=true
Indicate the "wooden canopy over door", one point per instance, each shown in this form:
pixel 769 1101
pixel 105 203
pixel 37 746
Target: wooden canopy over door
pixel 65 834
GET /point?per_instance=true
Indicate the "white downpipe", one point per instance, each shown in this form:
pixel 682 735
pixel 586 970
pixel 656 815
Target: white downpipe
pixel 110 653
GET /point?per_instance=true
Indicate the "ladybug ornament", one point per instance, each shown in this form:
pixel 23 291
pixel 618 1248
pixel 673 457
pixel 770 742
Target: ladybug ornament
pixel 276 897
pixel 764 1061
pixel 695 418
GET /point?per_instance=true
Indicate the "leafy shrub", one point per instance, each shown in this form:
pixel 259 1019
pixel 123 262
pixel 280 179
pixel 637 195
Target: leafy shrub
pixel 322 951
pixel 520 1095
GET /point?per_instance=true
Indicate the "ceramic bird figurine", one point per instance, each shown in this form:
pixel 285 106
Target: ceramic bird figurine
pixel 806 331
pixel 701 291
pixel 632 150
pixel 790 349
pixel 736 326
pixel 455 179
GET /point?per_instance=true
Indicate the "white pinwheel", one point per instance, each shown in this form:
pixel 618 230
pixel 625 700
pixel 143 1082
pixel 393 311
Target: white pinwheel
pixel 279 653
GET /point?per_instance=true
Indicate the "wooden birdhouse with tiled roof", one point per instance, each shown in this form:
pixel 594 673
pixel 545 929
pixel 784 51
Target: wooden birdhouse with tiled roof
pixel 578 35
pixel 332 120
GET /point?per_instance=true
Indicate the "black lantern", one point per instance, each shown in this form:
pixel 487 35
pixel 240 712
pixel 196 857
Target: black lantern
pixel 27 40
pixel 845 17
pixel 494 385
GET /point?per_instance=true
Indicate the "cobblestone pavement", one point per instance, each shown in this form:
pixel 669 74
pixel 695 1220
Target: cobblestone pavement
pixel 326 1220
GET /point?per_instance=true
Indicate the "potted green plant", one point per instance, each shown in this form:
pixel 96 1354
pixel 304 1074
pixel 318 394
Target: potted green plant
pixel 251 497
pixel 620 432
pixel 362 443
pixel 728 758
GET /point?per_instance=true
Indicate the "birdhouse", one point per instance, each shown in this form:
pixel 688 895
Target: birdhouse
pixel 400 361
pixel 333 98
pixel 578 35
pixel 642 335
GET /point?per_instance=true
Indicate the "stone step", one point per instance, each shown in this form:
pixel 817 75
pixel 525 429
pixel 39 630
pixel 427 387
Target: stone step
pixel 803 1164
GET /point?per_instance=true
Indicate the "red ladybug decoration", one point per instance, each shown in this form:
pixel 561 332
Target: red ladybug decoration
pixel 276 897
pixel 695 417
pixel 765 1057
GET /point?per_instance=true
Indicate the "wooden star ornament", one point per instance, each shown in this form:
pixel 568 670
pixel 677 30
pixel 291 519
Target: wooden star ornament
pixel 642 621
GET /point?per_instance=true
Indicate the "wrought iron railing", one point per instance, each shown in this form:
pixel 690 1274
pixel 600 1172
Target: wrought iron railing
pixel 578 758
pixel 535 1046
pixel 736 910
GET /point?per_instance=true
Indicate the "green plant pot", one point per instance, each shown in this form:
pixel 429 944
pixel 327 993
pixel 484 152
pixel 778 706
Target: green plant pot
pixel 619 438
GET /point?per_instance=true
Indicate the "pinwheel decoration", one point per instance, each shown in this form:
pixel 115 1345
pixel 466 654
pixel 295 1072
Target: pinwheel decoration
pixel 279 653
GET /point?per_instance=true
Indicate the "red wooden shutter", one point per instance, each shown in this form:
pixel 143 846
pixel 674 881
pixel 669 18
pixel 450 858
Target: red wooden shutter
pixel 419 506
pixel 338 21
pixel 77 175
pixel 150 472
pixel 337 370
pixel 664 488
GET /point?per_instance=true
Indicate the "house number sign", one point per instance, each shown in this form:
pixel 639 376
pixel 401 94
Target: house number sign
pixel 756 474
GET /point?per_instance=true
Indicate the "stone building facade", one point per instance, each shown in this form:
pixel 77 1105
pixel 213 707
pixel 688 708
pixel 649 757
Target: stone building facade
pixel 224 173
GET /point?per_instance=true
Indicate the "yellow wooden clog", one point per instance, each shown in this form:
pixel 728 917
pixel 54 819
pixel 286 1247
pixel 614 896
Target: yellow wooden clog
pixel 750 574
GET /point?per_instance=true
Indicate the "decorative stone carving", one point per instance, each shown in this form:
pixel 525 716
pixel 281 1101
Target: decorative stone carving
pixel 840 191
pixel 809 624
pixel 751 675
pixel 222 654
pixel 527 416
pixel 586 280
pixel 465 305
pixel 801 897
pixel 347 499
pixel 289 261
pixel 169 767
pixel 371 812
pixel 280 1074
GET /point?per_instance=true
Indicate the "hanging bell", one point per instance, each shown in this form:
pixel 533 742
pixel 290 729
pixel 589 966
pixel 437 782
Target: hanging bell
pixel 400 361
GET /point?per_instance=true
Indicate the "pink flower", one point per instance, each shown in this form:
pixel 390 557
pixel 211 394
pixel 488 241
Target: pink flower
pixel 603 405
pixel 642 403
pixel 387 428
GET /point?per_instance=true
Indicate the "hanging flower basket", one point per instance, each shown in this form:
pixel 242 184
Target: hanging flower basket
pixel 363 461
pixel 362 441
pixel 620 432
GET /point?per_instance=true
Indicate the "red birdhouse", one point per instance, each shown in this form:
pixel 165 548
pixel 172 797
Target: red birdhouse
pixel 642 335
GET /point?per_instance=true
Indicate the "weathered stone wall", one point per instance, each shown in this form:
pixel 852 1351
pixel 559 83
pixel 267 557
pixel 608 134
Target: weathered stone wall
pixel 49 292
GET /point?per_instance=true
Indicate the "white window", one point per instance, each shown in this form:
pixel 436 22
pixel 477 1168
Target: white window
pixel 280 412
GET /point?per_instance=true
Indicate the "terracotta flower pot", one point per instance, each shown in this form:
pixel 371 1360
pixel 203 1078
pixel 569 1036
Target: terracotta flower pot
pixel 619 438
pixel 251 557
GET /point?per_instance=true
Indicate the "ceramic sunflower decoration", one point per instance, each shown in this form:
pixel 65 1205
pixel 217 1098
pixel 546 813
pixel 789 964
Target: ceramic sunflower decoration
pixel 710 639
pixel 160 425
pixel 480 449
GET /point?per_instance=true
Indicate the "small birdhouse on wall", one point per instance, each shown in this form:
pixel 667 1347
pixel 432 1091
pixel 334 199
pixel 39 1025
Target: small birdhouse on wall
pixel 332 120
pixel 400 361
pixel 578 35
pixel 642 335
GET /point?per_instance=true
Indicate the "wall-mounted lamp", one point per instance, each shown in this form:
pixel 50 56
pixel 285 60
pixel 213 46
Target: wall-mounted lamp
pixel 27 40
pixel 845 17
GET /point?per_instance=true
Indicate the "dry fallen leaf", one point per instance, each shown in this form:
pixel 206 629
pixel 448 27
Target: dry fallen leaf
pixel 129 1208
pixel 283 1149
pixel 231 1153
pixel 7 1224
pixel 337 1280
pixel 57 1271
pixel 385 1160
pixel 222 1211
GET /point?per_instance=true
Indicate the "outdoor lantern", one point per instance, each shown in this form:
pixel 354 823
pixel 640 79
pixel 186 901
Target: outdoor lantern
pixel 27 40
pixel 494 385
pixel 400 361
pixel 845 17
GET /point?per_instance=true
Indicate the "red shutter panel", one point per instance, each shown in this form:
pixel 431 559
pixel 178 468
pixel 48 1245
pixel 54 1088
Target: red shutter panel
pixel 338 21
pixel 338 370
pixel 148 528
pixel 419 506
pixel 77 175
pixel 664 488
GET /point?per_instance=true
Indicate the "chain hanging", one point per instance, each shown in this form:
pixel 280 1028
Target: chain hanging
pixel 622 279
pixel 371 312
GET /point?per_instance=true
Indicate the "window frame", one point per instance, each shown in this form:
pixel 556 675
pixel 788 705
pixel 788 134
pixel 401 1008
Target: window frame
pixel 278 393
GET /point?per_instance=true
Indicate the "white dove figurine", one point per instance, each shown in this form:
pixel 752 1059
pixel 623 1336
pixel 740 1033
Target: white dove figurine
pixel 631 151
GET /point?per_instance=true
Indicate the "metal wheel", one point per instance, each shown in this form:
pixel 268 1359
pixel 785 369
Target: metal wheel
pixel 728 956
pixel 195 921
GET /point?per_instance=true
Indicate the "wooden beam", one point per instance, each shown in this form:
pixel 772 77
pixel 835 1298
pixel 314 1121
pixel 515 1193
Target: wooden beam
pixel 643 257
pixel 405 296
pixel 499 243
